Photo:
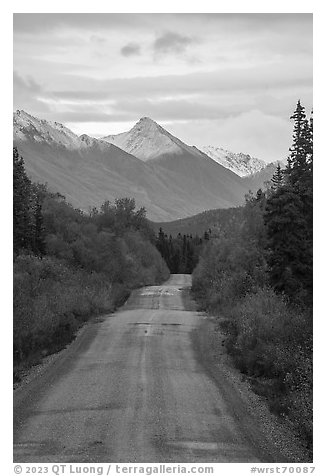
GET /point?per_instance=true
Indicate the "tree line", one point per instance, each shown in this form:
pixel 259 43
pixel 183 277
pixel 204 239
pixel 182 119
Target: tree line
pixel 181 253
pixel 258 281
pixel 70 265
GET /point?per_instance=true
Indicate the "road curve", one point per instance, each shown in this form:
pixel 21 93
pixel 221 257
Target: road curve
pixel 130 389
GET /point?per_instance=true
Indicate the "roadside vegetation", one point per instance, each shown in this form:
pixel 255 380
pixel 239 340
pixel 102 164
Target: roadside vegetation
pixel 257 281
pixel 70 265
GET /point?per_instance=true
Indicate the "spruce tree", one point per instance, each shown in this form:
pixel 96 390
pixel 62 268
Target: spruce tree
pixel 299 159
pixel 288 217
pixel 277 179
pixel 38 228
pixel 22 219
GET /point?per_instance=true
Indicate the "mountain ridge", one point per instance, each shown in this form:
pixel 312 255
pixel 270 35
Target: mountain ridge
pixel 148 140
pixel 176 182
pixel 240 163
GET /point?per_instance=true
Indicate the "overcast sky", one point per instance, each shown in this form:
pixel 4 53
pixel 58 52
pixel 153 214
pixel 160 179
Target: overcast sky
pixel 211 79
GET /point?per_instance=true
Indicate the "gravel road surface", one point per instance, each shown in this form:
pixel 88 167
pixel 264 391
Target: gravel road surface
pixel 131 389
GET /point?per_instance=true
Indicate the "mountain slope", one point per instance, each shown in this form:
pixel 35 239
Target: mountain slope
pixel 183 168
pixel 147 140
pixel 219 220
pixel 259 179
pixel 87 171
pixel 241 164
pixel 175 181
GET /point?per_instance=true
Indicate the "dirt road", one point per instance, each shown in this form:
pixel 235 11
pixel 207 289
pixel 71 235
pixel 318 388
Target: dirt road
pixel 130 389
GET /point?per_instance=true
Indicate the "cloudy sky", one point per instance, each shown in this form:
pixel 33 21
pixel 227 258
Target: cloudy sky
pixel 219 79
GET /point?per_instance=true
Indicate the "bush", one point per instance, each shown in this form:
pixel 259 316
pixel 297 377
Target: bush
pixel 88 269
pixel 227 271
pixel 268 335
pixel 270 340
pixel 51 300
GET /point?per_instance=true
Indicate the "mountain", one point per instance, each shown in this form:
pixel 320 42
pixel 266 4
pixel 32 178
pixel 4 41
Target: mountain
pixel 187 169
pixel 217 221
pixel 171 179
pixel 262 177
pixel 151 143
pixel 148 140
pixel 241 164
pixel 85 170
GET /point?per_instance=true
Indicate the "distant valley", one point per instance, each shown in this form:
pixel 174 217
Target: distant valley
pixel 171 179
pixel 215 222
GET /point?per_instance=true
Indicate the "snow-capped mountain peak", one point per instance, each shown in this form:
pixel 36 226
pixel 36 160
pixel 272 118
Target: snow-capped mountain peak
pixel 148 127
pixel 239 163
pixel 147 121
pixel 147 140
pixel 27 127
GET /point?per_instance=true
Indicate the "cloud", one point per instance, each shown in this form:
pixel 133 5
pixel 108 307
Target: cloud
pixel 80 116
pixel 33 23
pixel 253 132
pixel 265 136
pixel 26 85
pixel 171 42
pixel 27 93
pixel 264 84
pixel 98 39
pixel 131 49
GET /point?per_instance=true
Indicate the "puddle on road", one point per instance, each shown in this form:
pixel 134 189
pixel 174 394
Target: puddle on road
pixel 196 445
pixel 160 292
pixel 154 324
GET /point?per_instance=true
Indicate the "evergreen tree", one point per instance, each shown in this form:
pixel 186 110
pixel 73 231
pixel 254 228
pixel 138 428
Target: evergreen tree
pixel 299 159
pixel 289 217
pixel 278 177
pixel 181 254
pixel 287 256
pixel 38 228
pixel 22 220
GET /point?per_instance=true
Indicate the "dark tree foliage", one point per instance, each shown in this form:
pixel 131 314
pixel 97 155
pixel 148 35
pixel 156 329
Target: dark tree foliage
pixel 28 197
pixel 278 178
pixel 22 195
pixel 122 215
pixel 181 253
pixel 289 217
pixel 253 231
pixel 39 193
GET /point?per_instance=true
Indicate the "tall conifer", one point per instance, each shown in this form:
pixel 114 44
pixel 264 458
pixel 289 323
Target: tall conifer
pixel 22 220
pixel 288 216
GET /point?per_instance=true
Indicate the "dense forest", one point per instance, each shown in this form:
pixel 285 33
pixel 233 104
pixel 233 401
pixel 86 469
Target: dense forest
pixel 70 265
pixel 257 280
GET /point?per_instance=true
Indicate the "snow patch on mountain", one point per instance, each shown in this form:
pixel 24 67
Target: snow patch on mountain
pixel 87 141
pixel 27 127
pixel 241 164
